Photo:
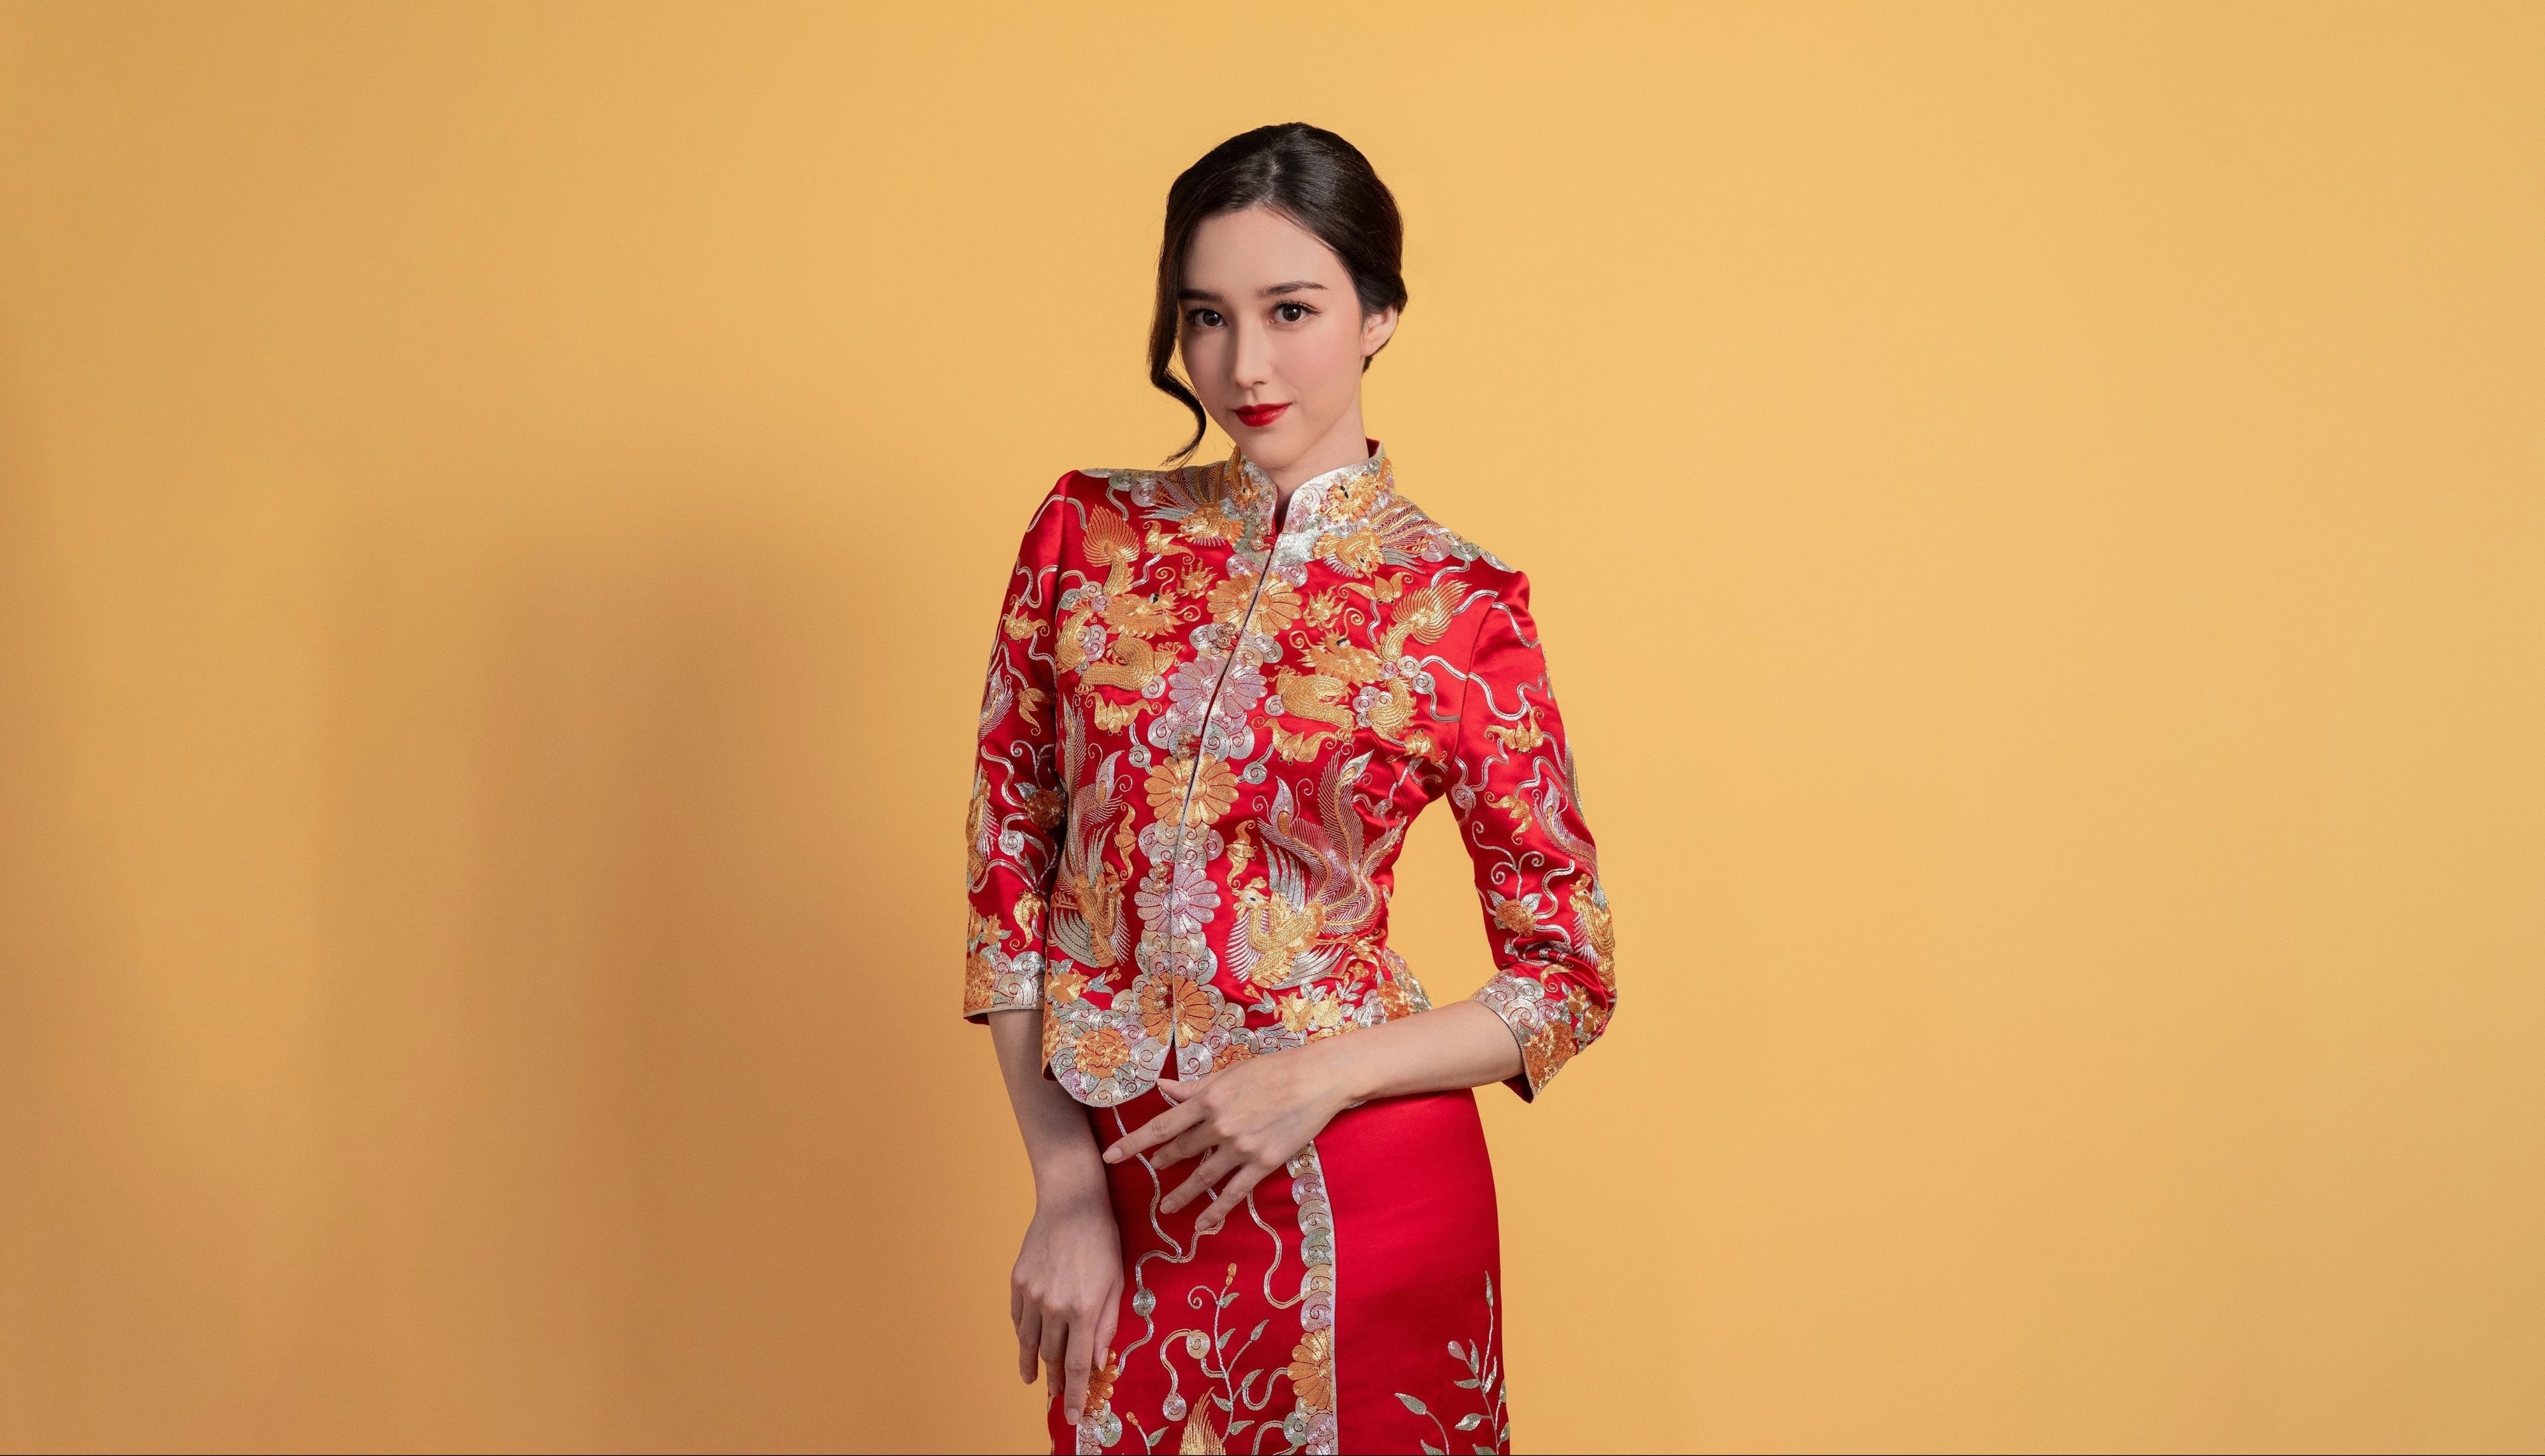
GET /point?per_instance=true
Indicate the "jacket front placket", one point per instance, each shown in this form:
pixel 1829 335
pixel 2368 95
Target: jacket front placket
pixel 1187 901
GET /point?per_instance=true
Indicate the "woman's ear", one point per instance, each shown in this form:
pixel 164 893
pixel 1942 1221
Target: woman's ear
pixel 1376 330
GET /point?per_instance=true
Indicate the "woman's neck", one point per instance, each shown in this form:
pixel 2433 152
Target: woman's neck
pixel 1343 446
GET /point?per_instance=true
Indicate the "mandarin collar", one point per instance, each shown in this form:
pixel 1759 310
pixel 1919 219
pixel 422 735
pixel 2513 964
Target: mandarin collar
pixel 1308 502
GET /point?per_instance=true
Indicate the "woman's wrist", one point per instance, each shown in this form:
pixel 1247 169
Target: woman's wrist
pixel 1348 1072
pixel 1067 1177
pixel 1462 1044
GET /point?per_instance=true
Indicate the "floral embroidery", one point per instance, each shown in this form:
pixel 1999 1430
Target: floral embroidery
pixel 1224 1379
pixel 1484 1364
pixel 1201 740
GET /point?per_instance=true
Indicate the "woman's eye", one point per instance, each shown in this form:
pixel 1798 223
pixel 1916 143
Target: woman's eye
pixel 1289 313
pixel 1206 318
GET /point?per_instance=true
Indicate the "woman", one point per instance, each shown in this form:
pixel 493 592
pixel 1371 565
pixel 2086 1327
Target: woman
pixel 1218 696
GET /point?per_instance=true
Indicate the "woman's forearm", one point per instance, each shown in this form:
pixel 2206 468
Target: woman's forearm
pixel 1067 1285
pixel 1059 1144
pixel 1458 1045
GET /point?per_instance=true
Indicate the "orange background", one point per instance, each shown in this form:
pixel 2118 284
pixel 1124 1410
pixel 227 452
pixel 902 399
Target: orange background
pixel 2038 513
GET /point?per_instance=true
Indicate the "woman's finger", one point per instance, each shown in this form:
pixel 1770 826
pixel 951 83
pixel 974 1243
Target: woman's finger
pixel 1152 1132
pixel 1082 1354
pixel 1029 1341
pixel 1105 1326
pixel 1217 1165
pixel 1230 1198
pixel 1178 1092
pixel 1055 1348
pixel 1192 1142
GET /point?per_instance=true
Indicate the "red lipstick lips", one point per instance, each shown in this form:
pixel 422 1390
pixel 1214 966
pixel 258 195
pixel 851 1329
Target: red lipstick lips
pixel 1256 416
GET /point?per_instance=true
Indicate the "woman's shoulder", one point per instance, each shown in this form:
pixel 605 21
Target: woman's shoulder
pixel 1088 482
pixel 1437 543
pixel 1102 503
pixel 1074 492
pixel 1152 485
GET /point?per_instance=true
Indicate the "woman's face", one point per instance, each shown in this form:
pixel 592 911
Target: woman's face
pixel 1274 339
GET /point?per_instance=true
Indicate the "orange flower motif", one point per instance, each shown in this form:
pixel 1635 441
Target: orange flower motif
pixel 1589 1017
pixel 1199 790
pixel 1230 597
pixel 1100 1383
pixel 1515 916
pixel 1045 807
pixel 1275 607
pixel 1393 999
pixel 980 983
pixel 1546 1052
pixel 1174 1006
pixel 1317 1012
pixel 1312 1369
pixel 1064 987
pixel 1103 1052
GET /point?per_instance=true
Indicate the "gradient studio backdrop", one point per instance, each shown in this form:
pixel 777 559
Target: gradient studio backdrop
pixel 2038 512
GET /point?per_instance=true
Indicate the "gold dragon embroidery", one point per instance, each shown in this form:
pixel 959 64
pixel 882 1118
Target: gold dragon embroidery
pixel 1130 660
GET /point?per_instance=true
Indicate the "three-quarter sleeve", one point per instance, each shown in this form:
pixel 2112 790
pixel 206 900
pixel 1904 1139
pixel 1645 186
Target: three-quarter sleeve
pixel 1519 815
pixel 1016 800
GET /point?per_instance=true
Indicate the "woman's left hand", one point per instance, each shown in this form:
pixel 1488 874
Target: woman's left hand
pixel 1244 1123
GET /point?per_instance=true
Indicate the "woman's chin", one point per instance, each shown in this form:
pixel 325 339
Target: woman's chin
pixel 1275 447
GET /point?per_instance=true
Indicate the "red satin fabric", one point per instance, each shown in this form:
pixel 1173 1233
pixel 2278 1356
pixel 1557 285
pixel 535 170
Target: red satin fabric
pixel 1381 1240
pixel 1418 1265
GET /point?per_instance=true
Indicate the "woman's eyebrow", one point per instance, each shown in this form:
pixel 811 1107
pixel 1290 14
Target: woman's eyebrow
pixel 1295 285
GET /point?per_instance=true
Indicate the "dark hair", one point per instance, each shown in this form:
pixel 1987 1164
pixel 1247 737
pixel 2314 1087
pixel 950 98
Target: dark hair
pixel 1308 175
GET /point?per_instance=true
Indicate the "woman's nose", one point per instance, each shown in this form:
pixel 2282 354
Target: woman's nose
pixel 1252 363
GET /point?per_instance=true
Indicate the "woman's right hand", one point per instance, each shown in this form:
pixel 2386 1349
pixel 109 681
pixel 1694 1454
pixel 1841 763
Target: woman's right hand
pixel 1069 1274
pixel 1066 1291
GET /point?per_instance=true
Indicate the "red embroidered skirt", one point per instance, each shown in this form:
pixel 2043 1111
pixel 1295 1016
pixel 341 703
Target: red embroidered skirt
pixel 1353 1305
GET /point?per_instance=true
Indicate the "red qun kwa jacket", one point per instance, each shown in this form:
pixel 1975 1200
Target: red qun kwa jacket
pixel 1201 746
